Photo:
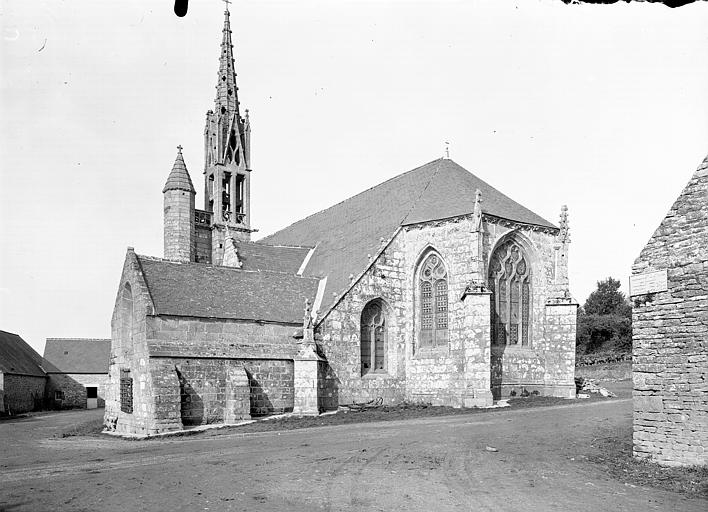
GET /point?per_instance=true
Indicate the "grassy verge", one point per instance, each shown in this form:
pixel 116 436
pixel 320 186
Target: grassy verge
pixel 387 413
pixel 87 428
pixel 614 452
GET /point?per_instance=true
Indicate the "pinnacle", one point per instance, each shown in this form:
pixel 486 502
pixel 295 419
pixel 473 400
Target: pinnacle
pixel 179 176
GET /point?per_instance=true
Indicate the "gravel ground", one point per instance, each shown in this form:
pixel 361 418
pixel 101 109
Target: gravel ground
pixel 543 461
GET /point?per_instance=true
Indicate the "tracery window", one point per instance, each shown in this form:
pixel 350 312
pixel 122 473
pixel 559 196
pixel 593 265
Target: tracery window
pixel 510 284
pixel 433 302
pixel 373 338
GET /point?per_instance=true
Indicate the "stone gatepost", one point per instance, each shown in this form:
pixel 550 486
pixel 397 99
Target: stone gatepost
pixel 477 347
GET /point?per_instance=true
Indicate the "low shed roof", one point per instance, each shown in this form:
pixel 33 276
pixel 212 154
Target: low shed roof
pixel 208 291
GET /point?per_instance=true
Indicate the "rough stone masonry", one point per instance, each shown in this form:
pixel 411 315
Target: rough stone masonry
pixel 670 335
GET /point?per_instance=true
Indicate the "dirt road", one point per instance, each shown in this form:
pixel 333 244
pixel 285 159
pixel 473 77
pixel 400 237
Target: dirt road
pixel 436 464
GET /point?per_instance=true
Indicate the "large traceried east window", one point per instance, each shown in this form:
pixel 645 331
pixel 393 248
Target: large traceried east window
pixel 373 338
pixel 433 302
pixel 510 284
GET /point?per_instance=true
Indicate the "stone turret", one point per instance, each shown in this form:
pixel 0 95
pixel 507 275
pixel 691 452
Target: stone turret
pixel 179 213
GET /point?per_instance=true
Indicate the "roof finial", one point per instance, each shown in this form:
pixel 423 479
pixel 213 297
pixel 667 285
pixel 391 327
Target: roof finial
pixel 564 227
pixel 227 2
pixel 179 149
pixel 447 150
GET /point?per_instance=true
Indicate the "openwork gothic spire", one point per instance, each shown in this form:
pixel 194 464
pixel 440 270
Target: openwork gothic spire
pixel 226 88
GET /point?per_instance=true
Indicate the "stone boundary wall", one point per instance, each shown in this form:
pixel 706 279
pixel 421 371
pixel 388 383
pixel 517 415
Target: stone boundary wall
pixel 670 336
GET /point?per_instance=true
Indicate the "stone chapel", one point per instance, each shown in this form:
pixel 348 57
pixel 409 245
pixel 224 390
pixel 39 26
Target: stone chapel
pixel 430 287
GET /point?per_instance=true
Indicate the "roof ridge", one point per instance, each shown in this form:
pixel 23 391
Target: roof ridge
pixel 225 268
pixel 78 339
pixel 257 242
pixel 350 198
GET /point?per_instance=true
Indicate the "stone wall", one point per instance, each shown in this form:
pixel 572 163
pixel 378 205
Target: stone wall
pixel 264 350
pixel 456 373
pixel 73 386
pixel 23 393
pixel 670 342
pixel 547 364
pixel 129 352
pixel 170 359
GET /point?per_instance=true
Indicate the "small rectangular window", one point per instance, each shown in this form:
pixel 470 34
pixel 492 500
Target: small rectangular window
pixel 91 392
pixel 58 394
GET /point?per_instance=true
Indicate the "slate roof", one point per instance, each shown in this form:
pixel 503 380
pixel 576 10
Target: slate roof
pixel 179 176
pixel 17 357
pixel 349 231
pixel 276 258
pixel 77 355
pixel 206 291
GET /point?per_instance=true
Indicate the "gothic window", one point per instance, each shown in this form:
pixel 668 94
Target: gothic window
pixel 433 302
pixel 510 284
pixel 126 391
pixel 373 339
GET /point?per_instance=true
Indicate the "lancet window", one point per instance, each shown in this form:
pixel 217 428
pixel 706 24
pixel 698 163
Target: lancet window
pixel 373 339
pixel 510 284
pixel 433 302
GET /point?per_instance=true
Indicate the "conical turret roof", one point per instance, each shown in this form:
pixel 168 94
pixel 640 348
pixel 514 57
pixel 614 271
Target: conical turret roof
pixel 179 177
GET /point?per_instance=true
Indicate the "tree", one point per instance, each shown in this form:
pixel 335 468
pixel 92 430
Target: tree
pixel 605 321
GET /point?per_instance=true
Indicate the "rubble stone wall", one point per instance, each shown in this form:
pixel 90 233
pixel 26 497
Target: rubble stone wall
pixel 670 335
pixel 23 393
pixel 206 350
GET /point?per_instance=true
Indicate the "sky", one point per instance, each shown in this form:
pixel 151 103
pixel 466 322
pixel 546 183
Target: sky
pixel 601 108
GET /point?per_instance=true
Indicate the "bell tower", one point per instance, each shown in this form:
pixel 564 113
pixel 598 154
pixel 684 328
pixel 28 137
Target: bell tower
pixel 227 157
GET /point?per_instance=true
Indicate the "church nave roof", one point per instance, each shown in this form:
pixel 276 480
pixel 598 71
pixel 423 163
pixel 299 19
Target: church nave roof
pixel 348 232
